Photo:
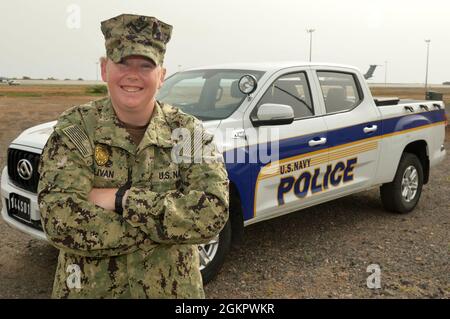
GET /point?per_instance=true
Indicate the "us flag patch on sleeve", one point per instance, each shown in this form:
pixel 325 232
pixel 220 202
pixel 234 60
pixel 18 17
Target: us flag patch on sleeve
pixel 79 138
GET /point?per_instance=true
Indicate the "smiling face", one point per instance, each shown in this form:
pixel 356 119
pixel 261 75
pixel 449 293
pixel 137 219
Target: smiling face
pixel 132 83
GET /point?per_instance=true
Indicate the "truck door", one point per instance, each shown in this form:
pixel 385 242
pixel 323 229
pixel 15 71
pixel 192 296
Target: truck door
pixel 293 178
pixel 353 124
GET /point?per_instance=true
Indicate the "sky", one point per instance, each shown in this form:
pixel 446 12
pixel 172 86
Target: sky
pixel 62 39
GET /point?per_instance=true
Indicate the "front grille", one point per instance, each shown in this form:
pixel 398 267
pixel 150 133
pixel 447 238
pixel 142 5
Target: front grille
pixel 14 156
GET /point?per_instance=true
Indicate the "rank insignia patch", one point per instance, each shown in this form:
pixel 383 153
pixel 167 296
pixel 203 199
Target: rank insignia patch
pixel 101 155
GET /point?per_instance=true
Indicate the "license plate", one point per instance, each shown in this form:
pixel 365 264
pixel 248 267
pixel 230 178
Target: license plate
pixel 19 206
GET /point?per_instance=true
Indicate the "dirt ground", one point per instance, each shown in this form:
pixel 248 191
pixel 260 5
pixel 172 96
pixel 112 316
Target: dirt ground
pixel 320 252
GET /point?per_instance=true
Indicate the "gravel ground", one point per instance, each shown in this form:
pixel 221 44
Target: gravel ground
pixel 320 252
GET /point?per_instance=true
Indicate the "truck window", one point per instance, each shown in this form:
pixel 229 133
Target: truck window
pixel 339 90
pixel 187 91
pixel 210 94
pixel 293 90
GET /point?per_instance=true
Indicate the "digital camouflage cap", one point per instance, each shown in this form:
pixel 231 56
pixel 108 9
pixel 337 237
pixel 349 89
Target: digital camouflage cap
pixel 129 34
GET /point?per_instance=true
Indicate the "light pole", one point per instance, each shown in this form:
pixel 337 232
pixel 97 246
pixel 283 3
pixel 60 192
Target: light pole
pixel 310 31
pixel 426 73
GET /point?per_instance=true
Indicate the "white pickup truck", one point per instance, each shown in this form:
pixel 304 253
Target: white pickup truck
pixel 292 134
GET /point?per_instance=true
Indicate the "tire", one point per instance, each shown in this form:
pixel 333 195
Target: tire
pixel 409 179
pixel 216 250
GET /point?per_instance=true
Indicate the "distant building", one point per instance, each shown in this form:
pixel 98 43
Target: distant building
pixel 446 83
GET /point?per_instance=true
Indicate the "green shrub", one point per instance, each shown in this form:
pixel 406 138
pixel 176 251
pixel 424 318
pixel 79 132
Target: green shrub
pixel 97 89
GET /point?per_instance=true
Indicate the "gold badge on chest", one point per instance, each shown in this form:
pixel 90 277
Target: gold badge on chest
pixel 101 155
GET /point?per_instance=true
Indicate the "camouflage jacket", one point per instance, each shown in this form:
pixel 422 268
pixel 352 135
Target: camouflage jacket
pixel 149 251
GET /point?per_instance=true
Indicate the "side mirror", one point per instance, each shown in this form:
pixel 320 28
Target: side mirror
pixel 273 114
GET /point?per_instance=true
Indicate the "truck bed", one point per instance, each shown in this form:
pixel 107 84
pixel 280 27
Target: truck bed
pixel 387 101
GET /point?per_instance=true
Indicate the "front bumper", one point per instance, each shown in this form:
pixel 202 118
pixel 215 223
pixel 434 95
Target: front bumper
pixel 6 188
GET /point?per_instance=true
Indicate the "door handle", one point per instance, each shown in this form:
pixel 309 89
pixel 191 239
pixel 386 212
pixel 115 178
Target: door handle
pixel 320 141
pixel 370 129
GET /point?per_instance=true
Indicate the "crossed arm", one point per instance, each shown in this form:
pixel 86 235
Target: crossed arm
pixel 81 219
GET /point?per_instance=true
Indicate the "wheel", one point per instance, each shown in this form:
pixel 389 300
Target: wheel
pixel 212 255
pixel 403 193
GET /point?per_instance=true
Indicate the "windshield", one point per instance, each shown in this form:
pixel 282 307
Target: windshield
pixel 206 94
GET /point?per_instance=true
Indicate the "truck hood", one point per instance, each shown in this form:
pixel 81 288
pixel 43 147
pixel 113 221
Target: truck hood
pixel 37 136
